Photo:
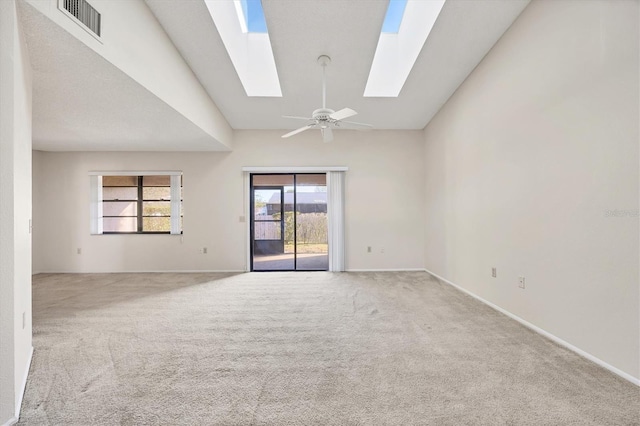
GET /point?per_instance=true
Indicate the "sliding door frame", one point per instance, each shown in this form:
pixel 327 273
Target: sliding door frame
pixel 283 207
pixel 252 218
pixel 248 171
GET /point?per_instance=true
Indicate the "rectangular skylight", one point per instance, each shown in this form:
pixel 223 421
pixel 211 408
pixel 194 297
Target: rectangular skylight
pixel 253 16
pixel 246 39
pixel 393 18
pixel 397 51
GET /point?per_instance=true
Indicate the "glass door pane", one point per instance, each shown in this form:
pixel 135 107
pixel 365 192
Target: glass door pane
pixel 271 227
pixel 312 248
pixel 289 222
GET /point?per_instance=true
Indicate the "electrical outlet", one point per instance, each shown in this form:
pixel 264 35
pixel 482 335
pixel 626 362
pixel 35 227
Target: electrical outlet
pixel 521 282
pixel 494 272
pixel 79 250
pixel 204 250
pixel 368 249
pixel 242 219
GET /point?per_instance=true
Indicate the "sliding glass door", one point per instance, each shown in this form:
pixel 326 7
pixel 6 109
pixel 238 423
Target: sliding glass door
pixel 311 238
pixel 289 222
pixel 271 228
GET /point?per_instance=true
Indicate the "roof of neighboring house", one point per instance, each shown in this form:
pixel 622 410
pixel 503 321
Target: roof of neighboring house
pixel 301 198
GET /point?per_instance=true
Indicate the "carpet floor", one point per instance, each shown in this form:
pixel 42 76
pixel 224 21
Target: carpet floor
pixel 304 348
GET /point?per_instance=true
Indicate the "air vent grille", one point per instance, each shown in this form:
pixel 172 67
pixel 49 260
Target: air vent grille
pixel 85 13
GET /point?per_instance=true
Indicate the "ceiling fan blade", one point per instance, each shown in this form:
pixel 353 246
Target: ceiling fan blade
pixel 327 134
pixel 343 113
pixel 300 130
pixel 355 124
pixel 297 118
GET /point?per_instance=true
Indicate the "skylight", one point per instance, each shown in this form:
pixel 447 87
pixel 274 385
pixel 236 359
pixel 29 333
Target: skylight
pixel 398 50
pixel 394 15
pixel 252 16
pixel 243 30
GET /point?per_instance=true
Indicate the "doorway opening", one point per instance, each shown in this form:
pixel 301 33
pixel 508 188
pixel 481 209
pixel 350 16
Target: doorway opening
pixel 289 227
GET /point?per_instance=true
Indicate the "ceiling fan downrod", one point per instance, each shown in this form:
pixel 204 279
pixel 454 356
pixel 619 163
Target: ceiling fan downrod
pixel 324 60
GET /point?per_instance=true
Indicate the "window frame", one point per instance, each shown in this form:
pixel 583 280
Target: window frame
pixel 175 201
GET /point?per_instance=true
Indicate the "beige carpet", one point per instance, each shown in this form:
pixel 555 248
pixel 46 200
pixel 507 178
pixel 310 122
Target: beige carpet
pixel 299 349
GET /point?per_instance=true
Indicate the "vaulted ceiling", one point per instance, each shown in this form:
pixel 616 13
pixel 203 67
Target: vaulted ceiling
pixel 79 113
pixel 348 32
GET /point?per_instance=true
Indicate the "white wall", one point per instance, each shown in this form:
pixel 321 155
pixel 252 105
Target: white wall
pixel 15 212
pixel 522 165
pixel 134 41
pixel 38 199
pixel 384 203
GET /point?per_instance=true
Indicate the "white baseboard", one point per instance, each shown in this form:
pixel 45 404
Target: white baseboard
pixel 181 271
pixel 617 371
pixel 24 383
pixel 12 421
pixel 387 270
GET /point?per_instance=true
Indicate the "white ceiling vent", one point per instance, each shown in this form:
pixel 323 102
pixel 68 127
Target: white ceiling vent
pixel 83 13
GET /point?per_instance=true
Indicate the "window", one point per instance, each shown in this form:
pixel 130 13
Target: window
pixel 136 203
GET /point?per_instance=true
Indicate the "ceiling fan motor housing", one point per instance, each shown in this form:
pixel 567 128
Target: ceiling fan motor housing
pixel 324 118
pixel 322 114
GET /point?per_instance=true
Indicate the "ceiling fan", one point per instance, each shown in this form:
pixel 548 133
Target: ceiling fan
pixel 324 118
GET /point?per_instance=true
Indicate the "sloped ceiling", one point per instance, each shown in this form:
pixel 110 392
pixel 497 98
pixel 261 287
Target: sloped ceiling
pixel 83 102
pixel 348 32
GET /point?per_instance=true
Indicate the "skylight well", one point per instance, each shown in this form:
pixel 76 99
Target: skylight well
pixel 393 18
pixel 243 29
pixel 405 29
pixel 251 16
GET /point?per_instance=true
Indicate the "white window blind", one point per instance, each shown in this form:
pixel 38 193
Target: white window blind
pixel 96 204
pixel 176 204
pixel 335 204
